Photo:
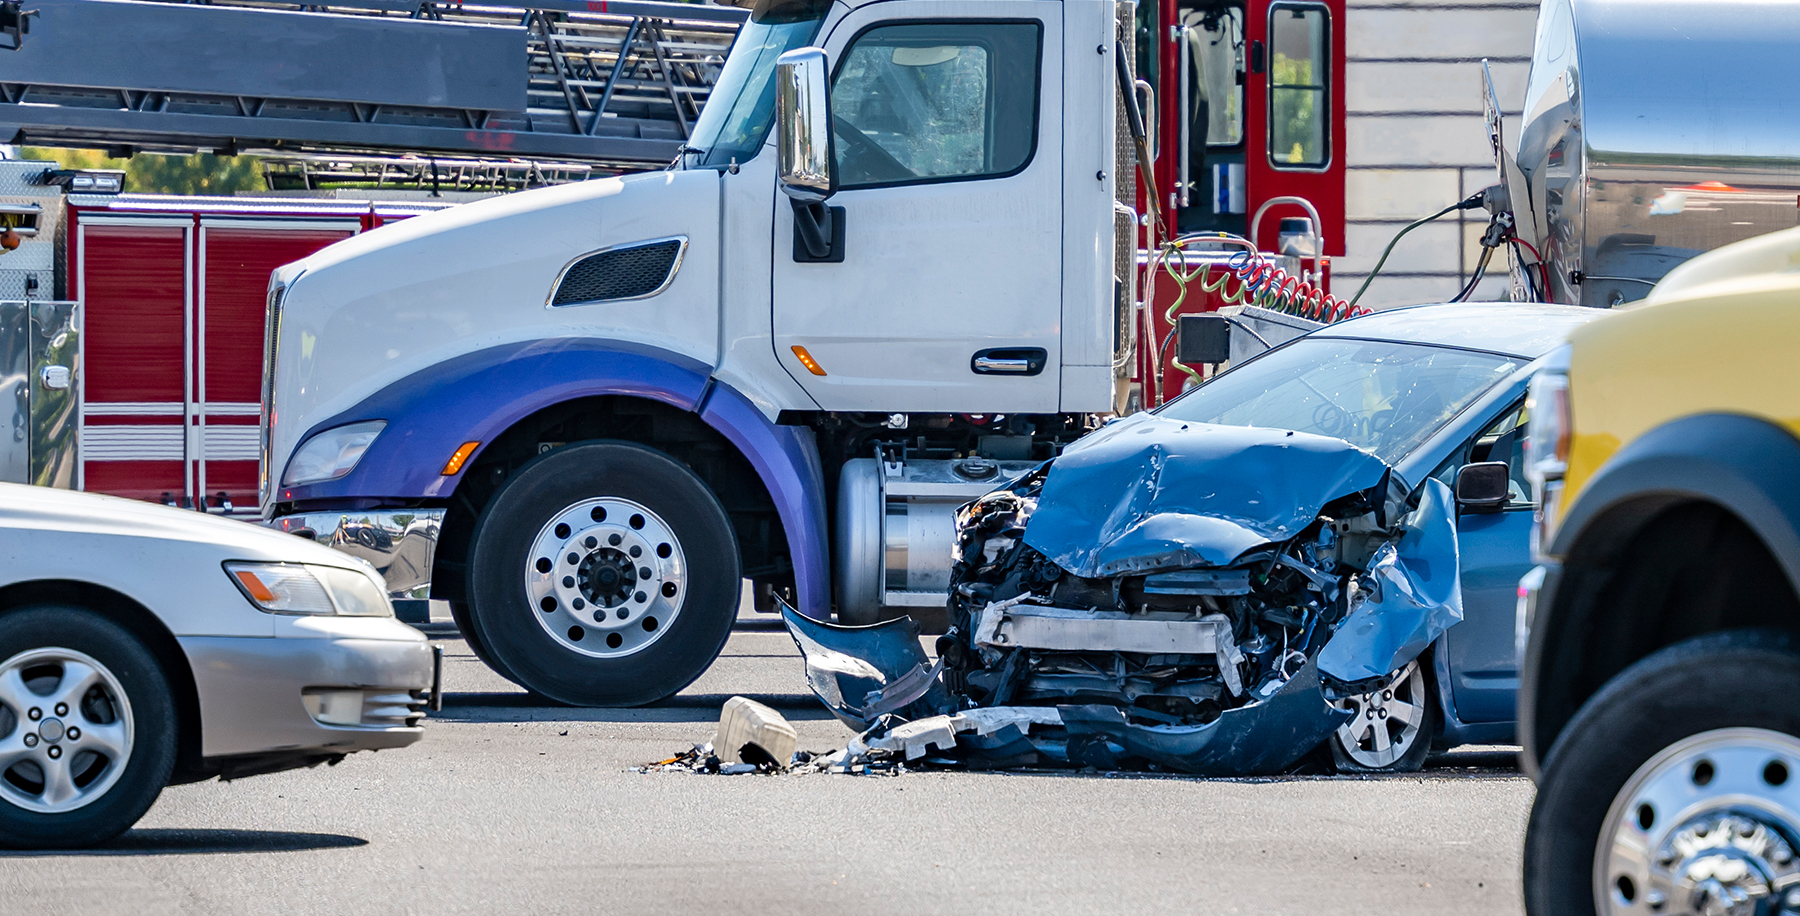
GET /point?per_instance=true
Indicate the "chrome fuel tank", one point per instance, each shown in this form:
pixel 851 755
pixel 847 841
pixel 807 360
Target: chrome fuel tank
pixel 1655 130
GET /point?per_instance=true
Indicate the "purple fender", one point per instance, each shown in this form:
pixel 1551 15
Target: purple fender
pixel 478 396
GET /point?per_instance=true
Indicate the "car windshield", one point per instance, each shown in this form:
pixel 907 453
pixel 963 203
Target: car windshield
pixel 736 118
pixel 1380 396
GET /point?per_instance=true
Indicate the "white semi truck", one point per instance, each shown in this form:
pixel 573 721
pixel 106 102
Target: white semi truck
pixel 586 414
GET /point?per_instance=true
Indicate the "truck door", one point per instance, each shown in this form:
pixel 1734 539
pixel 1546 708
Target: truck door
pixel 948 145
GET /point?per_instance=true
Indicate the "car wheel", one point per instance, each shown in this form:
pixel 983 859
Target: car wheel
pixel 1391 729
pixel 604 574
pixel 1676 788
pixel 87 729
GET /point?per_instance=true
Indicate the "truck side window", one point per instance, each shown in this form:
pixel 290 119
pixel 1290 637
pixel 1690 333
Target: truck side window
pixel 942 101
pixel 1299 99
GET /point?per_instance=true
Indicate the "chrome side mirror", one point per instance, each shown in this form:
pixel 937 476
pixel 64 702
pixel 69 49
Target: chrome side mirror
pixel 803 120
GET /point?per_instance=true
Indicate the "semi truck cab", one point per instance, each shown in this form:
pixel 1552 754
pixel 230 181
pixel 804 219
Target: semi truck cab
pixel 895 264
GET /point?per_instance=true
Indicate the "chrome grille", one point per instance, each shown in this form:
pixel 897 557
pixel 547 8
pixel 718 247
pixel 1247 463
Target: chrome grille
pixel 626 272
pixel 271 336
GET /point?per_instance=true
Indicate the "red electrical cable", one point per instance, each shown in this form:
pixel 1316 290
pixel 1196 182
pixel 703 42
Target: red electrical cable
pixel 1543 269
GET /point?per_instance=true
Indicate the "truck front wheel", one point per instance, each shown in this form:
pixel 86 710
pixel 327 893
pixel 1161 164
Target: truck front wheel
pixel 1676 788
pixel 603 574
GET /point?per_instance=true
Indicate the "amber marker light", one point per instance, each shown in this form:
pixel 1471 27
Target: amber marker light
pixel 812 365
pixel 462 454
pixel 255 586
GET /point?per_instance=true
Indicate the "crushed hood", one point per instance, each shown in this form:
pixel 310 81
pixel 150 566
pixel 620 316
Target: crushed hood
pixel 1148 493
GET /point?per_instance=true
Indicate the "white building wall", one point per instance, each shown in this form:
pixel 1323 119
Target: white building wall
pixel 1417 140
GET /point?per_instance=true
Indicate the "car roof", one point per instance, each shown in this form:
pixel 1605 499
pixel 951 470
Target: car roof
pixel 1527 330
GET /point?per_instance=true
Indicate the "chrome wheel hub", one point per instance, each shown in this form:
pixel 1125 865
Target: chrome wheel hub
pixel 607 577
pixel 1386 722
pixel 65 730
pixel 1708 827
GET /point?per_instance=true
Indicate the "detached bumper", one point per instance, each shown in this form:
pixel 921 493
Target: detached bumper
pixel 309 697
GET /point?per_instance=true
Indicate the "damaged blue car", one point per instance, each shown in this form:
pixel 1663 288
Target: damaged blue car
pixel 1314 552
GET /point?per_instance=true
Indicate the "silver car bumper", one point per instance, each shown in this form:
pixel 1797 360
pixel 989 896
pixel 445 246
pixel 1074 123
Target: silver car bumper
pixel 309 697
pixel 400 543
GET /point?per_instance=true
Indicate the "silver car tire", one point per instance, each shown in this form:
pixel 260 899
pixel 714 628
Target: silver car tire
pixel 87 728
pixel 1391 728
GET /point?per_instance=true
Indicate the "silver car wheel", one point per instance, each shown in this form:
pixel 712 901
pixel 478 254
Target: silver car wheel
pixel 1386 722
pixel 607 577
pixel 65 730
pixel 1707 826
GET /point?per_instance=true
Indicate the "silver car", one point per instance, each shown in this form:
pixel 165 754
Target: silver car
pixel 143 646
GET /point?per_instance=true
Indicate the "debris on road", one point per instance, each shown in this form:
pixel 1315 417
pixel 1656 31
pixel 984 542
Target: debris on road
pixel 751 733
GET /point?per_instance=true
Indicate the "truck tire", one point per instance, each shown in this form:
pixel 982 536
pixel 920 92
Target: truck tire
pixel 87 729
pixel 1701 738
pixel 603 574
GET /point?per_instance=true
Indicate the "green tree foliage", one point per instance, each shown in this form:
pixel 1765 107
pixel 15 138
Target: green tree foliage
pixel 150 173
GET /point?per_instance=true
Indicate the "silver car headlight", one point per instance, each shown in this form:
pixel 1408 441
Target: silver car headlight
pixel 332 453
pixel 304 589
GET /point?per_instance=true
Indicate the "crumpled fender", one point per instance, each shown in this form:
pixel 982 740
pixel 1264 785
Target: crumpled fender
pixel 1148 493
pixel 1418 596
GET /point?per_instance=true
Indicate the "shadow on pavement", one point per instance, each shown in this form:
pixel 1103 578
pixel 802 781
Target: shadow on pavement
pixel 176 841
pixel 513 706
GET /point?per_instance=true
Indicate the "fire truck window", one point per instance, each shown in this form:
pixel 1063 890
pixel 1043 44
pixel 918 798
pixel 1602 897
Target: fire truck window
pixel 1299 45
pixel 1215 40
pixel 936 102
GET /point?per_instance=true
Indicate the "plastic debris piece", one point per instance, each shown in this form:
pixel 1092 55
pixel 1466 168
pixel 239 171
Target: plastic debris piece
pixel 751 733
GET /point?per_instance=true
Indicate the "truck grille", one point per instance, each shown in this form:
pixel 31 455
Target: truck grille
pixel 631 271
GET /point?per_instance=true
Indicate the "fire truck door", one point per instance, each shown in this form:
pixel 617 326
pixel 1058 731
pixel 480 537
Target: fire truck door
pixel 236 257
pixel 948 146
pixel 172 351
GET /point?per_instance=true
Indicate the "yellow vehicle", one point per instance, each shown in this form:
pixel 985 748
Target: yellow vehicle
pixel 1659 696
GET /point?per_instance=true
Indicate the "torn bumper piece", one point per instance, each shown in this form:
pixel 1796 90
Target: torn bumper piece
pixel 864 673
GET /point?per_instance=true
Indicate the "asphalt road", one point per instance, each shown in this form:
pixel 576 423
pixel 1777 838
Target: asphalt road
pixel 508 806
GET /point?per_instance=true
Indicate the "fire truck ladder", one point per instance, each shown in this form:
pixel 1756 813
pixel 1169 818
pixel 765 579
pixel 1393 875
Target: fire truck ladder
pixel 615 83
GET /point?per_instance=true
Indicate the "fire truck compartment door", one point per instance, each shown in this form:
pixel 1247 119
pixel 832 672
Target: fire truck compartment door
pixel 947 128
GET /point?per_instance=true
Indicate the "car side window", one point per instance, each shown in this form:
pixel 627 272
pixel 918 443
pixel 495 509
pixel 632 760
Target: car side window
pixel 1503 440
pixel 928 102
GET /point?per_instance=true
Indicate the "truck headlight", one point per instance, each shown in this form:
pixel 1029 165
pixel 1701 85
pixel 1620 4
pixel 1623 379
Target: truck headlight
pixel 1547 438
pixel 303 589
pixel 332 453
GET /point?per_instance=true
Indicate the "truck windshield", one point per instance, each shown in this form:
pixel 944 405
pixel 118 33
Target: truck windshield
pixel 735 119
pixel 1383 397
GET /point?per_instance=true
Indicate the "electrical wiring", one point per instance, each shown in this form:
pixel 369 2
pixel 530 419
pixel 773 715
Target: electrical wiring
pixel 1543 291
pixel 1467 203
pixel 1248 277
pixel 1487 254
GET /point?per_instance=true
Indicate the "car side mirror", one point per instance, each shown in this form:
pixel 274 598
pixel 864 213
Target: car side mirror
pixel 803 126
pixel 1483 487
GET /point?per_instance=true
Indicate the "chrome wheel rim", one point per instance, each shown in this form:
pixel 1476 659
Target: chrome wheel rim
pixel 1708 826
pixel 1386 722
pixel 65 730
pixel 606 577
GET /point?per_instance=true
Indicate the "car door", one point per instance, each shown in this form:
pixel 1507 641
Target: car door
pixel 947 141
pixel 1496 552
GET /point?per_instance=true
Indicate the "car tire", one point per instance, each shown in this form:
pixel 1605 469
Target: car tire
pixel 1393 728
pixel 1722 690
pixel 79 769
pixel 603 574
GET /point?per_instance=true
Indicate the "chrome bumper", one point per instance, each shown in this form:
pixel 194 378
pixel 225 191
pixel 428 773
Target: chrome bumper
pixel 261 695
pixel 399 543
